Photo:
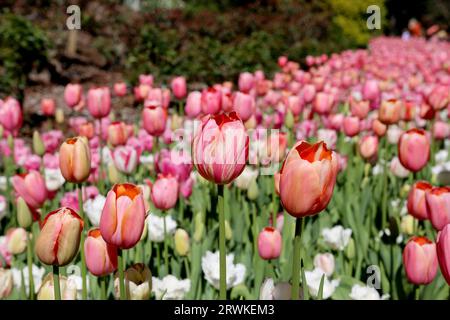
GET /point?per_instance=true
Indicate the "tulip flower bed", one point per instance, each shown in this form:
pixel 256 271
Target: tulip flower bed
pixel 328 182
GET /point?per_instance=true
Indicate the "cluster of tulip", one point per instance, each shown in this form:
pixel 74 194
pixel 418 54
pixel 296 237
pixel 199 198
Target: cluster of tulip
pixel 355 135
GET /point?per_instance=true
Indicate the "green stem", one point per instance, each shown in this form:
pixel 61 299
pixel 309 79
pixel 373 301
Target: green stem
pixel 121 276
pixel 56 287
pixel 417 292
pixel 83 258
pixel 100 168
pixel 30 266
pixel 186 266
pixel 296 262
pixel 222 248
pixel 103 288
pixel 166 253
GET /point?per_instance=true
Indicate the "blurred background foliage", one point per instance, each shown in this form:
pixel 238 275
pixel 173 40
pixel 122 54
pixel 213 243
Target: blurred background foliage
pixel 207 41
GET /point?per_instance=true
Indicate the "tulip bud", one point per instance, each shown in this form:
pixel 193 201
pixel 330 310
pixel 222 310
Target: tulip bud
pixel 24 215
pixel 114 175
pixel 101 258
pixel 269 243
pixel 67 286
pixel 58 242
pixel 407 225
pixel 350 249
pixel 289 120
pixel 75 159
pixel 228 231
pixel 199 227
pixel 38 144
pixel 138 282
pixel 420 260
pixel 390 111
pixel 16 239
pixel 6 283
pixel 181 238
pixel 59 116
pixel 253 190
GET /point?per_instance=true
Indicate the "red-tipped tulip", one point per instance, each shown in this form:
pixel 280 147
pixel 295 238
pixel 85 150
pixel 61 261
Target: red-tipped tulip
pixel 154 119
pixel 269 243
pixel 220 149
pixel 420 260
pixel 416 204
pixel 101 257
pixel 307 178
pixel 58 242
pixel 122 219
pixel 438 205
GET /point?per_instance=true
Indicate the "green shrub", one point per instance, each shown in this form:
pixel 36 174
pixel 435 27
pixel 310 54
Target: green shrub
pixel 23 46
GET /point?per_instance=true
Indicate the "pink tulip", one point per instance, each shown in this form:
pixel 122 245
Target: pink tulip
pixel 164 192
pixel 282 61
pixel 414 149
pixel 175 163
pixel 211 101
pixel 193 104
pixel 371 90
pixel 308 92
pixel 379 128
pixel 351 126
pixel 307 178
pixel 86 130
pixel 244 105
pixel 246 82
pixel 397 169
pixel 120 89
pixel 186 187
pixel 441 130
pixel 323 103
pixel 125 159
pixel 10 115
pixel 122 219
pixel 360 108
pixel 269 243
pixel 31 187
pixel 295 104
pixel 438 205
pixel 154 120
pixel 99 102
pixel 416 204
pixel 179 89
pixel 48 107
pixel 443 252
pixel 220 149
pixel 368 147
pixel 73 94
pixel 101 257
pixel 146 79
pixel 141 92
pixel 420 260
pixel 439 98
